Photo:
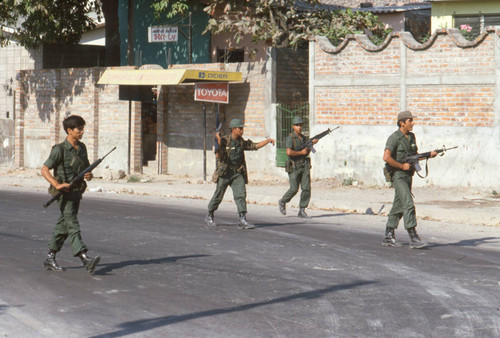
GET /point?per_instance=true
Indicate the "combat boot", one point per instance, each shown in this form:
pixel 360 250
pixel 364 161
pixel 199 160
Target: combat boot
pixel 415 241
pixel 89 262
pixel 302 213
pixel 390 238
pixel 243 223
pixel 50 262
pixel 210 220
pixel 282 206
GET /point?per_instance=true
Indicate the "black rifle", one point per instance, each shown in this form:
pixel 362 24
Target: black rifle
pixel 78 178
pixel 309 144
pixel 218 127
pixel 414 160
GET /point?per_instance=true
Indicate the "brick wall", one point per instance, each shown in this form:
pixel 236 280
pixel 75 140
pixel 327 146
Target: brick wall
pixel 451 84
pixel 46 97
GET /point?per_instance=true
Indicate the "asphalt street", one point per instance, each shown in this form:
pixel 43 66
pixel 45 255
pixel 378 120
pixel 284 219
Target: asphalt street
pixel 163 273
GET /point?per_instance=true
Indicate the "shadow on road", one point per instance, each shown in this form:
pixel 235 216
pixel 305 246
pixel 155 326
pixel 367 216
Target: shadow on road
pixel 104 269
pixel 137 326
pixel 468 242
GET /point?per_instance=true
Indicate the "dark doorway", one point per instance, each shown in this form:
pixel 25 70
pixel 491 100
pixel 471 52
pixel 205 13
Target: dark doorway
pixel 149 131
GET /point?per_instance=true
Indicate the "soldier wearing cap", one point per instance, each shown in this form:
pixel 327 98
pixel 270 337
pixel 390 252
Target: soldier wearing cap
pixel 400 144
pixel 232 171
pixel 298 168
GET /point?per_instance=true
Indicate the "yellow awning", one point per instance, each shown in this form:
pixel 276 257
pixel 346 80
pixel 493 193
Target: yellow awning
pixel 155 77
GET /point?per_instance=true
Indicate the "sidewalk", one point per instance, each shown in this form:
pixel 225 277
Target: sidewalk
pixel 454 205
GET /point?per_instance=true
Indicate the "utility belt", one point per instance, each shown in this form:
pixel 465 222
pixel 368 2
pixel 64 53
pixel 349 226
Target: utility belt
pixel 292 164
pixel 235 167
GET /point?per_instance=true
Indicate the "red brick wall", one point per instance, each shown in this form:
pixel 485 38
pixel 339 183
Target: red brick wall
pixel 448 81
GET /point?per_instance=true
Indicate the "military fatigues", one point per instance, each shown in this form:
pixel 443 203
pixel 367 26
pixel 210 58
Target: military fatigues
pixel 68 162
pixel 301 172
pixel 231 171
pixel 403 206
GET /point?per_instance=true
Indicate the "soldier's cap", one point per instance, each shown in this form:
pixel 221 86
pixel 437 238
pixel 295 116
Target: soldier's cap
pixel 404 115
pixel 236 123
pixel 297 120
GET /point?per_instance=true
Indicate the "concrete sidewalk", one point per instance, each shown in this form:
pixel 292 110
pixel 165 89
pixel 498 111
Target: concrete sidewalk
pixel 455 205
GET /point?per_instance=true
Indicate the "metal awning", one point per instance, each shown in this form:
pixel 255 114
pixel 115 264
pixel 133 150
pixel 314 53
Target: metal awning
pixel 155 77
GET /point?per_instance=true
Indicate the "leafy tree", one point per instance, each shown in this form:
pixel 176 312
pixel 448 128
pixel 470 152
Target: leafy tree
pixel 34 22
pixel 48 21
pixel 289 23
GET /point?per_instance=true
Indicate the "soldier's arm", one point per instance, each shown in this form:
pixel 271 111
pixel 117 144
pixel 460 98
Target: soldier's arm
pixel 48 176
pixel 393 163
pixel 264 143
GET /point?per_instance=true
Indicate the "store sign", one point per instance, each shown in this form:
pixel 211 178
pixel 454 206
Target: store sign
pixel 163 34
pixel 212 92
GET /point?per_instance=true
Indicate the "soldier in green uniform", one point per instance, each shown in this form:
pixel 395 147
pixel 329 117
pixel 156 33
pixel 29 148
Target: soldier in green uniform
pixel 298 168
pixel 400 144
pixel 232 171
pixel 68 159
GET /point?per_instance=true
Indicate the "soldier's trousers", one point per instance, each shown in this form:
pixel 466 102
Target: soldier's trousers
pixel 403 205
pixel 68 226
pixel 301 175
pixel 237 183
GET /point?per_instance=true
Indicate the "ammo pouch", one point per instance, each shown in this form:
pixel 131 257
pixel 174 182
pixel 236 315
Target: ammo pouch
pixel 219 171
pixel 388 175
pixel 289 166
pixel 52 190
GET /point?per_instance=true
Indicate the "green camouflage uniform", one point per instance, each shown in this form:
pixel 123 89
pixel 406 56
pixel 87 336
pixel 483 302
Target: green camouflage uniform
pixel 231 171
pixel 301 172
pixel 403 205
pixel 68 162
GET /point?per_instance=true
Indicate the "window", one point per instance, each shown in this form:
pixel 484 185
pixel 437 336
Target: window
pixel 230 55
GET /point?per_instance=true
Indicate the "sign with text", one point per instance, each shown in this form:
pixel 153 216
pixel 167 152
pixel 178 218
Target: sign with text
pixel 212 92
pixel 163 34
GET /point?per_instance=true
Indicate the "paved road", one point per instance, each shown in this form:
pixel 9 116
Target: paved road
pixel 163 273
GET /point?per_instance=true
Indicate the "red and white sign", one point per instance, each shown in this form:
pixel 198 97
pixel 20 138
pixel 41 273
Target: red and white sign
pixel 212 92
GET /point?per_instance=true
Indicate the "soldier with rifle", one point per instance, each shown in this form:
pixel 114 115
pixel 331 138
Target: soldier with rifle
pixel 232 171
pixel 399 146
pixel 68 159
pixel 298 167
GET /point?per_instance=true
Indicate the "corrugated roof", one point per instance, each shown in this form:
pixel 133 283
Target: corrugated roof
pixel 375 3
pixel 394 9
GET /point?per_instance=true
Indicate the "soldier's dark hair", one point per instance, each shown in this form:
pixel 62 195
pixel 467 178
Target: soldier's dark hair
pixel 72 122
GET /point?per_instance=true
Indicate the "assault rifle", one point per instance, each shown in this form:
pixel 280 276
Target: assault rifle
pixel 309 143
pixel 414 160
pixel 78 177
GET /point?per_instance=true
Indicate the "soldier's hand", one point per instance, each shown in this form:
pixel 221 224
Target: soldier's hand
pixel 270 140
pixel 433 153
pixel 406 166
pixel 306 151
pixel 88 176
pixel 63 186
pixel 314 141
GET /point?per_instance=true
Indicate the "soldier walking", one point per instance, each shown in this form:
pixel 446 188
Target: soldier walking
pixel 68 159
pixel 232 171
pixel 399 145
pixel 298 168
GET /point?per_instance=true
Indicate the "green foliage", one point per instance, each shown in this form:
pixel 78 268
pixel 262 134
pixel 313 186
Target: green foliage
pixel 171 8
pixel 47 21
pixel 280 23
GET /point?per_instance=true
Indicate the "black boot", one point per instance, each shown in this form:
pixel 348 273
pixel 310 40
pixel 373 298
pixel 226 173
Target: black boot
pixel 390 238
pixel 210 220
pixel 415 241
pixel 302 213
pixel 243 223
pixel 282 206
pixel 89 262
pixel 50 262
